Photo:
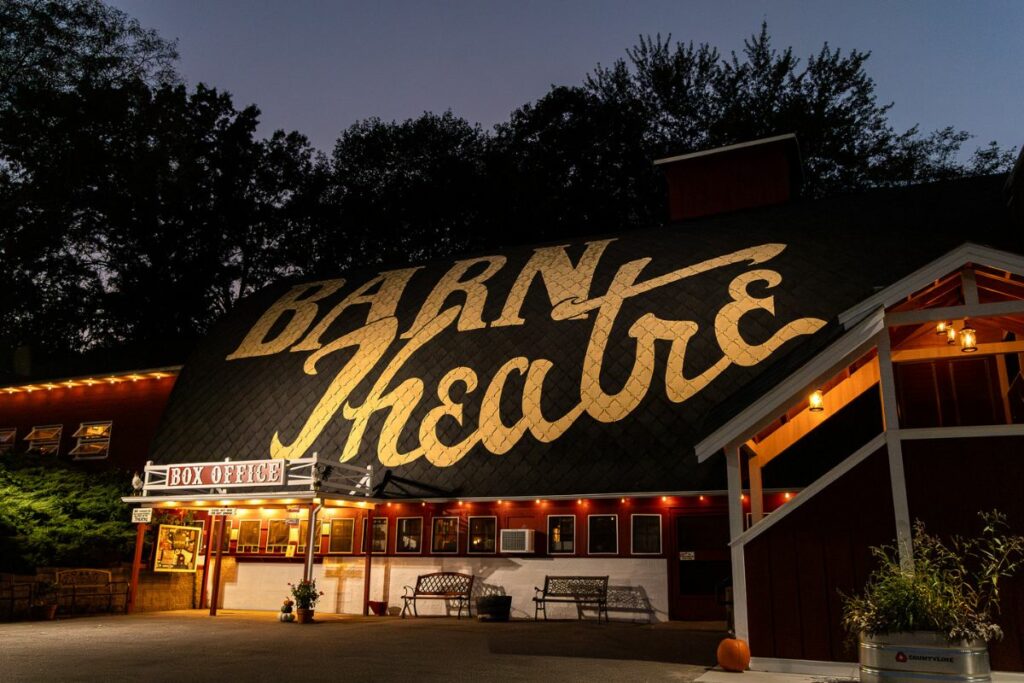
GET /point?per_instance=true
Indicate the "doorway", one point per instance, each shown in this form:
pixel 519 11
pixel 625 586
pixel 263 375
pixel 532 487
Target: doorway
pixel 699 564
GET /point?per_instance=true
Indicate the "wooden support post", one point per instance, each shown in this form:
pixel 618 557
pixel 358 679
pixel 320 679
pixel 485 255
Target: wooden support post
pixel 756 491
pixel 312 536
pixel 893 444
pixel 133 587
pixel 215 592
pixel 369 562
pixel 734 476
pixel 206 565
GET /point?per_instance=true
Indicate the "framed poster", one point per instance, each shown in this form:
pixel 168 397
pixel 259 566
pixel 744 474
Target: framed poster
pixel 177 548
pixel 249 536
pixel 277 536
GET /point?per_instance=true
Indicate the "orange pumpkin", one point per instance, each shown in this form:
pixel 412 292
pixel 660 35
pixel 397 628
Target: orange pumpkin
pixel 733 654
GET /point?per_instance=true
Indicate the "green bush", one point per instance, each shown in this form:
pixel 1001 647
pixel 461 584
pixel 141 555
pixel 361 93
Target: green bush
pixel 60 515
pixel 953 588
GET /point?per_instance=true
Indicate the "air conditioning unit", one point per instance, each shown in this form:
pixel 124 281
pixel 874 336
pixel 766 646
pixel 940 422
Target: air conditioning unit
pixel 517 540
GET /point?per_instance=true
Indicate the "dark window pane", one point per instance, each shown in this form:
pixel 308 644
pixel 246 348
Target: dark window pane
pixel 380 535
pixel 342 533
pixel 446 535
pixel 647 534
pixel 410 534
pixel 482 534
pixel 603 534
pixel 562 534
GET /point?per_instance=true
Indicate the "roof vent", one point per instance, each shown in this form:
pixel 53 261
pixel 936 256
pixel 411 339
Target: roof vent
pixel 742 176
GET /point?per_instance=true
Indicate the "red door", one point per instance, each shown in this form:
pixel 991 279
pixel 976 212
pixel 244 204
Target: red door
pixel 699 565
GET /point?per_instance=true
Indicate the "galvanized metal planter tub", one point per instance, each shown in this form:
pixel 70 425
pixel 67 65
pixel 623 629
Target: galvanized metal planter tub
pixel 922 656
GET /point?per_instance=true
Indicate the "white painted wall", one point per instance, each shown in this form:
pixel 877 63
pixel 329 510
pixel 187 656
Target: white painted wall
pixel 638 587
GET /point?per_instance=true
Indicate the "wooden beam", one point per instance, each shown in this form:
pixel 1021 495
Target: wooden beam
pixel 897 478
pixel 953 351
pixel 926 315
pixel 805 421
pixel 733 465
pixel 970 286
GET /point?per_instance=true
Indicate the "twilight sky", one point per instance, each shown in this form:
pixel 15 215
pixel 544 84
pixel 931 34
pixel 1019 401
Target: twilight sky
pixel 319 65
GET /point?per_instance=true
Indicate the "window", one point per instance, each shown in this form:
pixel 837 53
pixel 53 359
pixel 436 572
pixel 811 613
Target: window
pixel 342 539
pixel 7 437
pixel 380 534
pixel 410 535
pixel 603 534
pixel 277 536
pixel 445 538
pixel 483 534
pixel 561 534
pixel 45 440
pixel 646 534
pixel 248 536
pixel 93 440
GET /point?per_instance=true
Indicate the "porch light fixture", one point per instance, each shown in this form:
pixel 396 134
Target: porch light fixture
pixel 951 335
pixel 968 338
pixel 943 326
pixel 817 401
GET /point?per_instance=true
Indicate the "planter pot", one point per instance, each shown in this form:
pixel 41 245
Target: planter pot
pixel 378 607
pixel 42 612
pixel 922 656
pixel 303 615
pixel 494 607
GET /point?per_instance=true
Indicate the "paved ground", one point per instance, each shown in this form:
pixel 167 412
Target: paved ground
pixel 253 646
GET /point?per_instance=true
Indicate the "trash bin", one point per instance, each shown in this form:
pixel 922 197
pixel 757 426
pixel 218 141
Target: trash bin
pixel 494 607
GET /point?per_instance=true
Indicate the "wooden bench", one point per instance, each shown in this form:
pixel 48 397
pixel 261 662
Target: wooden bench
pixel 582 590
pixel 440 586
pixel 90 589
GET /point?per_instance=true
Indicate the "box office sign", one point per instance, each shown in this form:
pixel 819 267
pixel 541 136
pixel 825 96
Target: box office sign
pixel 224 475
pixel 177 548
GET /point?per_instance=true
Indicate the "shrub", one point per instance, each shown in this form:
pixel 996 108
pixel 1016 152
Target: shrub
pixel 953 587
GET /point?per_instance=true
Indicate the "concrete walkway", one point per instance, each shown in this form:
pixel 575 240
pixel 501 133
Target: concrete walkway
pixel 254 646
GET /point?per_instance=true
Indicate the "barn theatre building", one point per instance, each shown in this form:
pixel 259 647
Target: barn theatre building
pixel 756 392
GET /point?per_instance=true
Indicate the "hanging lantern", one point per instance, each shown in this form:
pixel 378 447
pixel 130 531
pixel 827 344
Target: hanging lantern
pixel 951 336
pixel 817 401
pixel 943 326
pixel 968 339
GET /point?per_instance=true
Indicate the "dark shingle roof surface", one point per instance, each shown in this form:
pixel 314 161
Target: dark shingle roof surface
pixel 837 252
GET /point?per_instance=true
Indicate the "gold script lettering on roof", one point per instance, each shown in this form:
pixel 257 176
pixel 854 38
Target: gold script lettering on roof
pixel 568 288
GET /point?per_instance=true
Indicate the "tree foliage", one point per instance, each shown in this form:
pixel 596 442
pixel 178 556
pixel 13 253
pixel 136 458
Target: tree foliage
pixel 59 515
pixel 134 210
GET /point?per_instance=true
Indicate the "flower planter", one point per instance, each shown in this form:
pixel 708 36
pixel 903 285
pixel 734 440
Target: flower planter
pixel 42 612
pixel 922 656
pixel 303 615
pixel 494 607
pixel 379 607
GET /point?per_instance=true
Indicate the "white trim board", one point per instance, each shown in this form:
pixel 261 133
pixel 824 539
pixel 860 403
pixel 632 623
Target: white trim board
pixel 807 667
pixel 792 390
pixel 806 494
pixel 975 432
pixel 727 148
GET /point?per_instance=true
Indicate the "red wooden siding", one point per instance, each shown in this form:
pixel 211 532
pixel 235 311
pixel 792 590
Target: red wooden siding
pixel 796 569
pixel 948 482
pixel 134 407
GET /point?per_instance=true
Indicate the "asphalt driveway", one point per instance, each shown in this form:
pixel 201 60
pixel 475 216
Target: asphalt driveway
pixel 252 646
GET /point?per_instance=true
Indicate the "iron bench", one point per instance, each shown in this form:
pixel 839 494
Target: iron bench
pixel 440 586
pixel 582 590
pixel 90 588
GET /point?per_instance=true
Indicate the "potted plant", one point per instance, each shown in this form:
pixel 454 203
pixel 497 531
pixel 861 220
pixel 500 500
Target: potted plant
pixel 939 616
pixel 44 600
pixel 306 596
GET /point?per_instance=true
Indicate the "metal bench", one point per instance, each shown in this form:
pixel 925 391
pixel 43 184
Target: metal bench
pixel 582 590
pixel 440 586
pixel 90 589
pixel 15 599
